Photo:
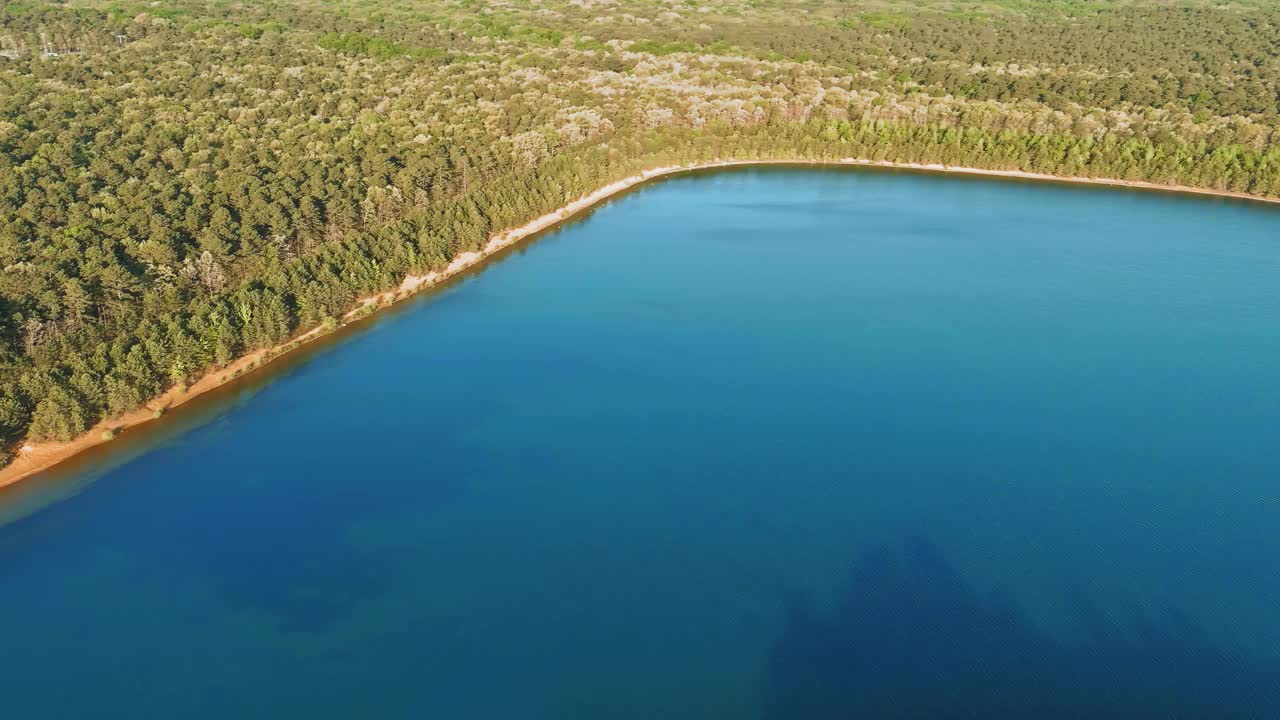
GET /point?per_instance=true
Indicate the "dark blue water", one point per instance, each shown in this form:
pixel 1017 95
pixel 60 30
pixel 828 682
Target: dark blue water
pixel 755 444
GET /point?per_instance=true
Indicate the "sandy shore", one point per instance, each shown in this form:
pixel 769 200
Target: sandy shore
pixel 36 457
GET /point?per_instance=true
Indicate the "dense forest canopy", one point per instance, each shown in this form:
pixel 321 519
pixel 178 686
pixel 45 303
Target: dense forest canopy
pixel 184 182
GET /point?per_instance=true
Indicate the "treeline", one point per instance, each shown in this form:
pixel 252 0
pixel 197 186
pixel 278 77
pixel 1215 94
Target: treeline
pixel 195 181
pixel 71 386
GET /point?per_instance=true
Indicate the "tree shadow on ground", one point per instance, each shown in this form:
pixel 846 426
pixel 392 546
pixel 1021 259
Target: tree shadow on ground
pixel 910 639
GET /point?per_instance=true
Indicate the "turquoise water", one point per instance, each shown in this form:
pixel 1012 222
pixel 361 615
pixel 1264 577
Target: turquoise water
pixel 771 443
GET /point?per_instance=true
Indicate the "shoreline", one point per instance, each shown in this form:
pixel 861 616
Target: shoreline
pixel 35 458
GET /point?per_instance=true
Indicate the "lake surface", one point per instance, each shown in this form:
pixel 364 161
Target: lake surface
pixel 771 443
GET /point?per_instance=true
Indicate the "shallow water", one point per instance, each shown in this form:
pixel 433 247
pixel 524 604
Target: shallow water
pixel 769 443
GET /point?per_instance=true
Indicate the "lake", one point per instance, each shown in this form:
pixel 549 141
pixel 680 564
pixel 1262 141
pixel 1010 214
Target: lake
pixel 763 443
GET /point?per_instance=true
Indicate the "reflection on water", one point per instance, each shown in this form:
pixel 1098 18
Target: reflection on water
pixel 910 639
pixel 72 476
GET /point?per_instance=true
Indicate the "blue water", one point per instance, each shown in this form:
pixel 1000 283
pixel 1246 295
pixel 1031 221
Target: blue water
pixel 770 443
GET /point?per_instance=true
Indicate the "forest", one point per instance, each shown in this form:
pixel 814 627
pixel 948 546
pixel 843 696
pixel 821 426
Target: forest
pixel 184 182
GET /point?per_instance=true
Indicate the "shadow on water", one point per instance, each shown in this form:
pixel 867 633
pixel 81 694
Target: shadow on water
pixel 277 544
pixel 910 639
pixel 75 474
